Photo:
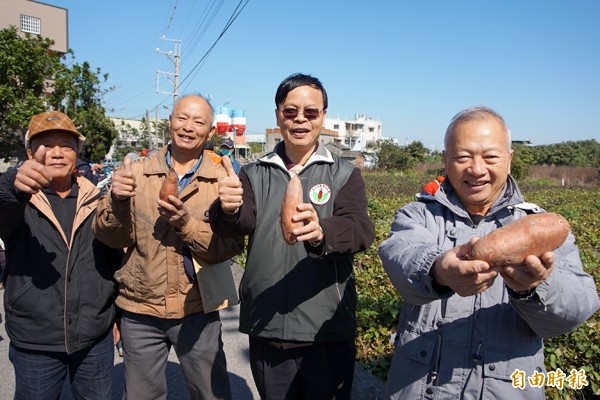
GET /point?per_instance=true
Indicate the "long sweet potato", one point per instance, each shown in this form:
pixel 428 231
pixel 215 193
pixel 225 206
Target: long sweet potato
pixel 289 207
pixel 169 186
pixel 533 234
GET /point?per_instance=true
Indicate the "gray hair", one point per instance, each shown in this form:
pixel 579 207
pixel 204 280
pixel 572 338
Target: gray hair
pixel 473 113
pixel 212 109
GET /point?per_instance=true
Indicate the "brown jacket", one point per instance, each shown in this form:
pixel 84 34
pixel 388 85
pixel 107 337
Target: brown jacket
pixel 152 280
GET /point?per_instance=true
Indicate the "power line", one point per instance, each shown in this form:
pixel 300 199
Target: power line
pixel 239 8
pixel 191 13
pixel 132 93
pixel 199 31
pixel 171 19
pixel 202 26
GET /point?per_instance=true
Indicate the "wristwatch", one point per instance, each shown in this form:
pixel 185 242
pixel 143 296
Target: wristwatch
pixel 520 293
pixel 317 243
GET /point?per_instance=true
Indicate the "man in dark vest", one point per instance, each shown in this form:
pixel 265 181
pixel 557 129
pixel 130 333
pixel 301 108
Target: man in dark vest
pixel 298 301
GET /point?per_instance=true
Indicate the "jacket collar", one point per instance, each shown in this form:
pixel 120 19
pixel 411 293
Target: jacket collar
pixel 88 193
pixel 321 154
pixel 446 196
pixel 86 204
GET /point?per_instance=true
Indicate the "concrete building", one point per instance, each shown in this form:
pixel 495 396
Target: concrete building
pixel 37 18
pixel 356 133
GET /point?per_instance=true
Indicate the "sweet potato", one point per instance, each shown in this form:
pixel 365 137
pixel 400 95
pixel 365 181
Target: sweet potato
pixel 289 207
pixel 169 186
pixel 533 234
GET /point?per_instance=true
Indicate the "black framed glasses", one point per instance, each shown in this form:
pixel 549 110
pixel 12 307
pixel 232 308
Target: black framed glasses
pixel 309 113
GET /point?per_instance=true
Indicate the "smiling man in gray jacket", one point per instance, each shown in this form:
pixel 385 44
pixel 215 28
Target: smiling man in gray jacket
pixel 466 327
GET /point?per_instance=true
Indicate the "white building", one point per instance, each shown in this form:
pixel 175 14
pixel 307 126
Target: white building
pixel 356 133
pixel 255 137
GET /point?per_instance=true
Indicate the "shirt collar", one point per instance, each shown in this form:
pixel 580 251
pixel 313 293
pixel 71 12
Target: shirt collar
pixel 187 177
pixel 49 191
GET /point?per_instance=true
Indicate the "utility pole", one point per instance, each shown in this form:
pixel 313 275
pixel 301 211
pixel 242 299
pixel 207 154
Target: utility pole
pixel 148 129
pixel 156 124
pixel 174 56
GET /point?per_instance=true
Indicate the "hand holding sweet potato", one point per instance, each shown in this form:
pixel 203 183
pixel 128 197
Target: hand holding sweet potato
pixel 169 186
pixel 509 245
pixel 289 206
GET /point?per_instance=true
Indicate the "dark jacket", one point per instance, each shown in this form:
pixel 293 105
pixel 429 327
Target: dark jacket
pixel 59 292
pixel 297 292
pixel 83 168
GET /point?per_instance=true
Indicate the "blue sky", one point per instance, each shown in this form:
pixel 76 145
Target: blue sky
pixel 411 64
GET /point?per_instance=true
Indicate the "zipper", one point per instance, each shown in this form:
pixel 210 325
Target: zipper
pixel 65 304
pixel 70 247
pixel 432 378
pixel 337 285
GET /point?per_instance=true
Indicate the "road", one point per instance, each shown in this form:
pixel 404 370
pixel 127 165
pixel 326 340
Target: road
pixel 365 386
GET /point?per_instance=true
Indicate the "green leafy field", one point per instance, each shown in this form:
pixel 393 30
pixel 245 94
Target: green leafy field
pixel 379 303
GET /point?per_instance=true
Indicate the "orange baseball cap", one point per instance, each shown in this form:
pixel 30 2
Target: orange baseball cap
pixel 52 121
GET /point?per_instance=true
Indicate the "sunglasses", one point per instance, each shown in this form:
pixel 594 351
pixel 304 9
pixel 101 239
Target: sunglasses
pixel 309 113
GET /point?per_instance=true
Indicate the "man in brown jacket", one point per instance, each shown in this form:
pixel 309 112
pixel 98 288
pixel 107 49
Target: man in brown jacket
pixel 176 274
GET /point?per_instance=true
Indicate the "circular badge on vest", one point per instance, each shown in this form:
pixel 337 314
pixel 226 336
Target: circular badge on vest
pixel 319 194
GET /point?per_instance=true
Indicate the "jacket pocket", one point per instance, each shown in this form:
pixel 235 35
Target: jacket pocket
pixel 414 363
pixel 502 364
pixel 506 373
pixel 126 278
pixel 419 348
pixel 22 302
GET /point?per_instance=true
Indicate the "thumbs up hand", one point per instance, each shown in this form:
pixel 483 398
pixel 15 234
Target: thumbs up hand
pixel 32 175
pixel 40 155
pixel 123 183
pixel 230 188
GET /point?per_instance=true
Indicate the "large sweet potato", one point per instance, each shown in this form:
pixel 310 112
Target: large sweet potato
pixel 533 234
pixel 169 186
pixel 289 207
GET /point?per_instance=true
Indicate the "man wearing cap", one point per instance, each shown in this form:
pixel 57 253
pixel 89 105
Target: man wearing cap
pixel 226 149
pixel 59 292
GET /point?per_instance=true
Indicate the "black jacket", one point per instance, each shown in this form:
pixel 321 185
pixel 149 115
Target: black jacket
pixel 59 292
